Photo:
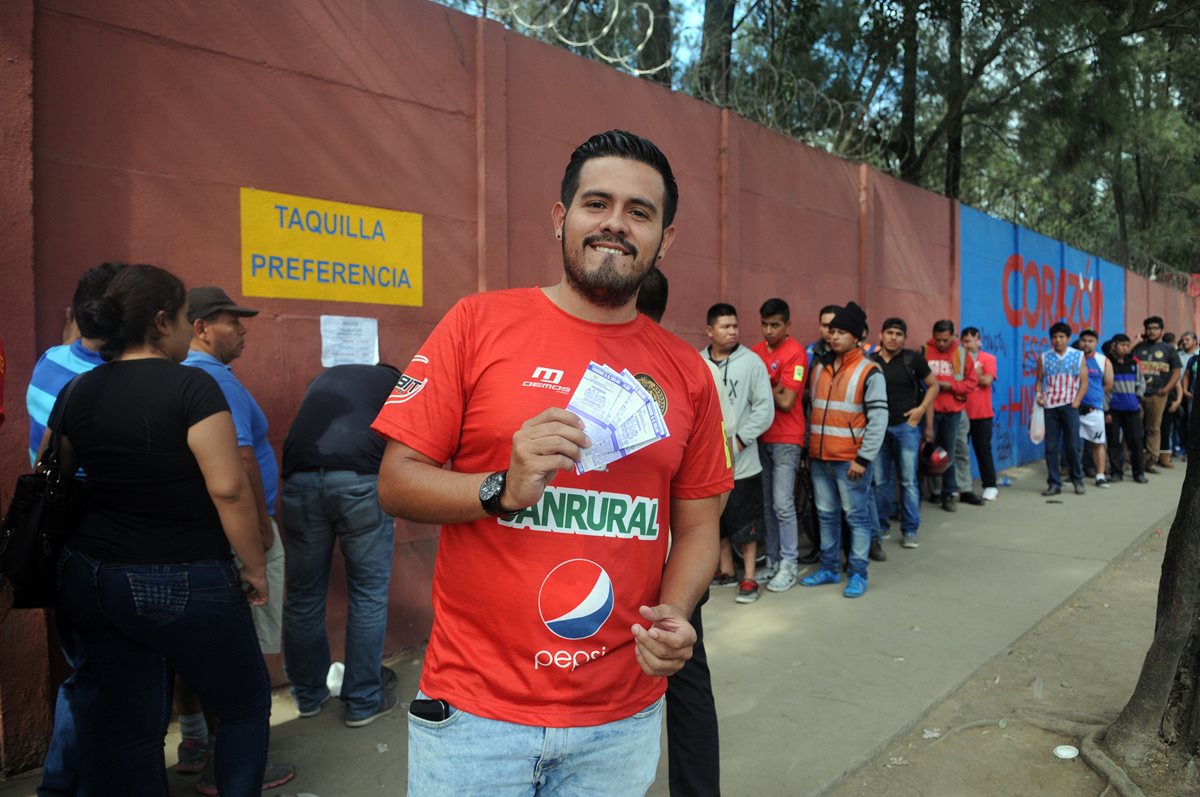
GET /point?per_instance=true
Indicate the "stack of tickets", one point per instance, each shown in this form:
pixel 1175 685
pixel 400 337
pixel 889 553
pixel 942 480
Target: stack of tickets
pixel 618 415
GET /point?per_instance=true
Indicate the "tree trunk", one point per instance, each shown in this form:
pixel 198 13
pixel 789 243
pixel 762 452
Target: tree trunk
pixel 1162 717
pixel 658 48
pixel 1118 193
pixel 715 50
pixel 954 100
pixel 907 145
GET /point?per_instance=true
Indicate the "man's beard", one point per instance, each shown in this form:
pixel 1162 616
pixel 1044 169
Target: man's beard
pixel 605 286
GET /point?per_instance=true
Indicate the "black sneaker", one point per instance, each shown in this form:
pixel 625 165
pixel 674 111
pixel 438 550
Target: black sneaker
pixel 1079 488
pixel 387 704
pixel 1049 491
pixel 949 504
pixel 877 554
pixel 747 591
pixel 723 579
pixel 387 677
pixel 971 498
pixel 1141 479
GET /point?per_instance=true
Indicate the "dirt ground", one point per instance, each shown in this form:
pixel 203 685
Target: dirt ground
pixel 1079 663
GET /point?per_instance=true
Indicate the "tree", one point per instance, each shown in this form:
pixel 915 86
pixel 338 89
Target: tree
pixel 1157 735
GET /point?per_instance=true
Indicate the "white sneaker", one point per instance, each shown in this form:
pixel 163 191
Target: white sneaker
pixel 990 493
pixel 767 571
pixel 785 578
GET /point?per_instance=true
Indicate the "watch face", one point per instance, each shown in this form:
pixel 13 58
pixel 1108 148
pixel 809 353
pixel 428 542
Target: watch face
pixel 492 487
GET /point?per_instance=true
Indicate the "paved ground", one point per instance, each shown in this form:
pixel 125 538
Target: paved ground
pixel 810 685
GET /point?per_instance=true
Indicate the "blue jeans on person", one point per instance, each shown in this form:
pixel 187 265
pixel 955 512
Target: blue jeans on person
pixel 780 463
pixel 945 435
pixel 469 754
pixel 319 508
pixel 897 464
pixel 834 494
pixel 873 510
pixel 139 625
pixel 1062 438
pixel 60 770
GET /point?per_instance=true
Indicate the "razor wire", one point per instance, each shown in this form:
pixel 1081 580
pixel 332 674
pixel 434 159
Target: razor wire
pixel 616 32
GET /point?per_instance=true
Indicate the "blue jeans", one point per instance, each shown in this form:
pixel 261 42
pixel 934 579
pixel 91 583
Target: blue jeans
pixel 60 771
pixel 140 624
pixel 834 494
pixel 468 754
pixel 1062 437
pixel 897 463
pixel 780 463
pixel 945 435
pixel 320 507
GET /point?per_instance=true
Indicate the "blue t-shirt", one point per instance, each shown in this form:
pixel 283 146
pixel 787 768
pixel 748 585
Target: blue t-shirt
pixel 248 419
pixel 1094 396
pixel 54 369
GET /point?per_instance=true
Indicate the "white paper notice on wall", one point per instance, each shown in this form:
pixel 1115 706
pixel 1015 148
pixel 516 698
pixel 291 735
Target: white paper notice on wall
pixel 349 340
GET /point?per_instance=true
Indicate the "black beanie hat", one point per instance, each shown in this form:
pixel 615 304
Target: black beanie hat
pixel 852 319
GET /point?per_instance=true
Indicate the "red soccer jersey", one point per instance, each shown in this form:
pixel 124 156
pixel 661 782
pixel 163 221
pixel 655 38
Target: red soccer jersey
pixel 532 615
pixel 788 365
pixel 979 400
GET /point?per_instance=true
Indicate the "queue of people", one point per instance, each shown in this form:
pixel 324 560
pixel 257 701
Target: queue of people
pixel 181 574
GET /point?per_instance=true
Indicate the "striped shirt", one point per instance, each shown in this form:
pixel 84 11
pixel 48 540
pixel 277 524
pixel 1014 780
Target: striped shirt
pixel 1061 376
pixel 1127 386
pixel 54 369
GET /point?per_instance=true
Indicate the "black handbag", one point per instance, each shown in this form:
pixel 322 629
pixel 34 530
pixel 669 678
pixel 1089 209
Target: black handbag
pixel 43 512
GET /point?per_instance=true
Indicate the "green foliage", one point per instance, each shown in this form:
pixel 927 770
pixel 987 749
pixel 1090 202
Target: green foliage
pixel 1078 118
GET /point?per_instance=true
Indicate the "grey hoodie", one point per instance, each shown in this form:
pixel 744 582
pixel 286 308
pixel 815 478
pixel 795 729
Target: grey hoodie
pixel 744 378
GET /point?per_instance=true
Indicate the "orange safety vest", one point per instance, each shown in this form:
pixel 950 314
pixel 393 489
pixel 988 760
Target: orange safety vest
pixel 838 416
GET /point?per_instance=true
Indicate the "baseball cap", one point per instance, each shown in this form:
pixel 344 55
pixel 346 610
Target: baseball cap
pixel 203 302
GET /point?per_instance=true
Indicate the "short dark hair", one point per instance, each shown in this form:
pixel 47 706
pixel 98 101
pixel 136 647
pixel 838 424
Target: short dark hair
pixel 829 308
pixel 1089 333
pixel 1168 337
pixel 775 306
pixel 652 296
pixel 92 285
pixel 944 325
pixel 719 309
pixel 124 315
pixel 1155 320
pixel 894 322
pixel 1060 327
pixel 1120 337
pixel 621 144
pixel 972 331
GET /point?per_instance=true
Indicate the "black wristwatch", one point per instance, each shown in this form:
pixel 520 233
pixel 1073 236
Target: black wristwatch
pixel 490 492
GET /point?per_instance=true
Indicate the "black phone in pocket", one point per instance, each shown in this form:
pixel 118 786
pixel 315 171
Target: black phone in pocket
pixel 431 710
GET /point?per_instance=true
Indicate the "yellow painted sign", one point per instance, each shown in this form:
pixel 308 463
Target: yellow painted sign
pixel 295 247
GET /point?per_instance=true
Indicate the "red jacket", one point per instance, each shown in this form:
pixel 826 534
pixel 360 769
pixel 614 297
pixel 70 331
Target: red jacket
pixel 955 380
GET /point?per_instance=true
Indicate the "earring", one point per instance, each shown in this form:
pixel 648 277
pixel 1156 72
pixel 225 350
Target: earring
pixel 558 234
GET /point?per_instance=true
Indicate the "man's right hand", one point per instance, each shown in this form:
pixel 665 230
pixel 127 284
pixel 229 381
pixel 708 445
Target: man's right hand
pixel 256 580
pixel 547 442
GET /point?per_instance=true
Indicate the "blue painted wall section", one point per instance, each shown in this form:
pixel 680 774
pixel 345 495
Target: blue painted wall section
pixel 1015 285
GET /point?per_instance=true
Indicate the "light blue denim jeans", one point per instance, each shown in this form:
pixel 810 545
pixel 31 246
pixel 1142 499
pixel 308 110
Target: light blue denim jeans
pixel 897 465
pixel 467 754
pixel 835 493
pixel 780 463
pixel 320 507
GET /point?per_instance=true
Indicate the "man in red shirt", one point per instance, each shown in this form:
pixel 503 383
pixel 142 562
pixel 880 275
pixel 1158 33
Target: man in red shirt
pixel 556 610
pixel 948 362
pixel 787 365
pixel 980 413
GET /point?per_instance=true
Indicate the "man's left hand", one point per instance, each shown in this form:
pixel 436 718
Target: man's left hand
pixel 666 645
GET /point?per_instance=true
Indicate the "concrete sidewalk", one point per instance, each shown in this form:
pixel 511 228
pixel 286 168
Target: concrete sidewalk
pixel 808 684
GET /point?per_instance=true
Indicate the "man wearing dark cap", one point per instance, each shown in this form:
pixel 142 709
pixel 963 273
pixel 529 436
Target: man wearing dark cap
pixel 906 374
pixel 218 339
pixel 848 425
